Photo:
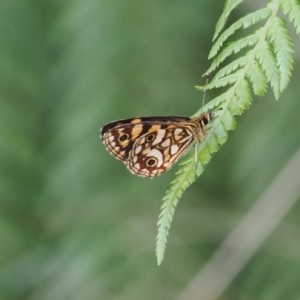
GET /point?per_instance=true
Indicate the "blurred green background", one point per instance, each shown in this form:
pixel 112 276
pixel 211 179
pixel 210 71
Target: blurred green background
pixel 74 223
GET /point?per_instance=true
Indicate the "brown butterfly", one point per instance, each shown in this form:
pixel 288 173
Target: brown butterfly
pixel 149 146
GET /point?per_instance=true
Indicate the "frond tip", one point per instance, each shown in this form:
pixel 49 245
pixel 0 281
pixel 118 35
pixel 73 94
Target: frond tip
pixel 190 170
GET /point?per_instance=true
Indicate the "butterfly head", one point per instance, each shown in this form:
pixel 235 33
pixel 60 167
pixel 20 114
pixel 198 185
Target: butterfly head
pixel 205 118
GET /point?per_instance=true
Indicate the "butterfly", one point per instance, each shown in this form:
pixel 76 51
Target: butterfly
pixel 149 146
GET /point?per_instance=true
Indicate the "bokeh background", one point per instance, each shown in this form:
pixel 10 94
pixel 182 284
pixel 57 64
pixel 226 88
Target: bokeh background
pixel 74 223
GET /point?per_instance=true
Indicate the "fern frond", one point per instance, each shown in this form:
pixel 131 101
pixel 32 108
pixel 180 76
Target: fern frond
pixel 234 48
pixel 229 6
pixel 213 104
pixel 266 57
pixel 228 121
pixel 243 94
pixel 269 61
pixel 283 48
pixel 258 79
pixel 231 67
pixel 291 8
pixel 244 22
pixel 240 100
pixel 234 106
pixel 221 82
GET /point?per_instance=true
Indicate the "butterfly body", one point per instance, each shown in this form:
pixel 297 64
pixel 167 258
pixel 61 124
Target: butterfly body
pixel 149 146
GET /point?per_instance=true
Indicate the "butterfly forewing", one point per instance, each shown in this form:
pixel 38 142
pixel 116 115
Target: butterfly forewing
pixel 119 136
pixel 120 139
pixel 149 146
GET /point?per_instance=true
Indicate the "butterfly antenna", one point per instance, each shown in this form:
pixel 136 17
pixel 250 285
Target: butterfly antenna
pixel 204 92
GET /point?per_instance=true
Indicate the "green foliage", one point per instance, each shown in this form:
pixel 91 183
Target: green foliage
pixel 74 224
pixel 269 61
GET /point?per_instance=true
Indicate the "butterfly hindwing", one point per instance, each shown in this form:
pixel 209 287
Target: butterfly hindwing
pixel 158 150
